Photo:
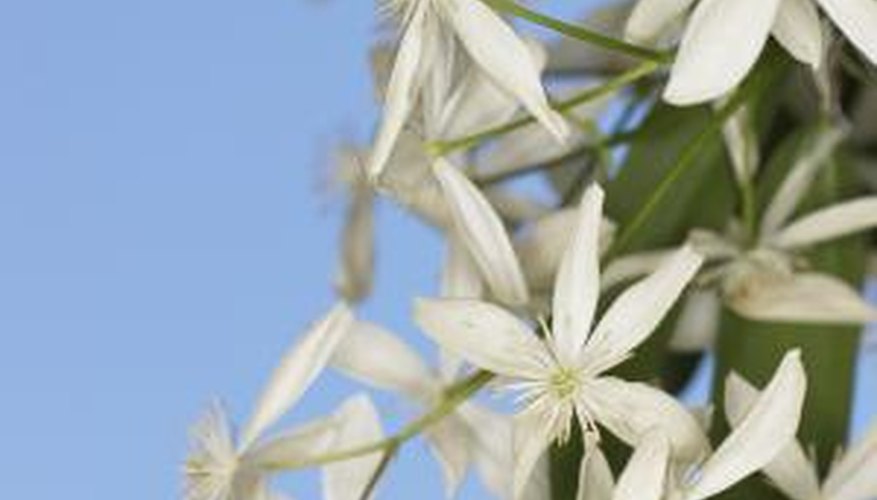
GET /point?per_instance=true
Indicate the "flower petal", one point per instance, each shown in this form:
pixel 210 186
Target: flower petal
pixel 829 223
pixel 651 18
pixel 401 91
pixel 790 471
pixel 483 234
pixel 637 312
pixel 798 29
pixel 768 427
pixel 460 278
pixel 481 31
pixel 449 442
pixel 595 476
pixel 491 442
pixel 485 335
pixel 720 45
pixel 803 298
pixel 378 358
pixel 856 19
pixel 298 446
pixel 531 438
pixel 298 369
pixel 359 425
pixel 356 272
pixel 853 478
pixel 578 280
pixel 698 323
pixel 742 143
pixel 631 410
pixel 644 475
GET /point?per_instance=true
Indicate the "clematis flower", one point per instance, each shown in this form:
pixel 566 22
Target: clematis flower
pixel 424 64
pixel 723 38
pixel 852 477
pixel 564 375
pixel 765 427
pixel 221 467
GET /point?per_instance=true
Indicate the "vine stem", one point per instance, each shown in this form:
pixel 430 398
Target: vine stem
pixel 578 32
pixel 442 148
pixel 454 397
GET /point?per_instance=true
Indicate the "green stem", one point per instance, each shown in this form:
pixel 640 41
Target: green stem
pixel 577 32
pixel 442 148
pixel 454 397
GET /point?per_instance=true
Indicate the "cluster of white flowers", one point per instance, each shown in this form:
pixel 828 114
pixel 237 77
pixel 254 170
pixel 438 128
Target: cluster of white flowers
pixel 541 298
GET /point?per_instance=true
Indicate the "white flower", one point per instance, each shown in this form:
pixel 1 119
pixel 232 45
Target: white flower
pixel 563 376
pixel 852 477
pixel 424 65
pixel 358 424
pixel 765 427
pixel 723 38
pixel 218 468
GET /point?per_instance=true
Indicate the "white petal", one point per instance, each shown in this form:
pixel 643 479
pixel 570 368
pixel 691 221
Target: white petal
pixel 768 427
pixel 742 143
pixel 698 323
pixel 790 471
pixel 376 357
pixel 721 44
pixel 637 312
pixel 798 180
pixel 853 477
pixel 630 267
pixel 491 441
pixel 644 475
pixel 483 234
pixel 651 18
pixel 359 425
pixel 531 438
pixel 630 410
pixel 856 19
pixel 481 31
pixel 401 91
pixel 799 30
pixel 595 476
pixel 460 278
pixel 298 369
pixel 355 275
pixel 829 223
pixel 485 335
pixel 449 440
pixel 300 445
pixel 803 298
pixel 578 280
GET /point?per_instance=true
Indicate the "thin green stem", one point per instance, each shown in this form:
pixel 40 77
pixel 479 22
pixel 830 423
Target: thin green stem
pixel 382 467
pixel 454 397
pixel 578 32
pixel 442 148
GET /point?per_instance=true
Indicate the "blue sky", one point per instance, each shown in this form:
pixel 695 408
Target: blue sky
pixel 166 228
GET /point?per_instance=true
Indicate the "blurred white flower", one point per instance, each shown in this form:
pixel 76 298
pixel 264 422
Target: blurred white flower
pixel 218 468
pixel 765 427
pixel 723 38
pixel 563 376
pixel 424 66
pixel 852 477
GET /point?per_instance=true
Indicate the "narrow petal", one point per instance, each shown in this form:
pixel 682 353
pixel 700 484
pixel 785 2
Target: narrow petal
pixel 531 438
pixel 798 29
pixel 790 471
pixel 512 68
pixel 359 425
pixel 651 18
pixel 803 298
pixel 631 267
pixel 830 223
pixel 356 272
pixel 401 92
pixel 638 311
pixel 856 19
pixel 449 442
pixel 631 410
pixel 378 358
pixel 578 280
pixel 298 446
pixel 485 335
pixel 768 427
pixel 797 182
pixel 595 476
pixel 483 234
pixel 853 477
pixel 644 475
pixel 720 45
pixel 298 369
pixel 491 442
pixel 698 323
pixel 742 143
pixel 460 278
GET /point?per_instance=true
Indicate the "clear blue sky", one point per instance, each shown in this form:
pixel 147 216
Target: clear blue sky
pixel 165 230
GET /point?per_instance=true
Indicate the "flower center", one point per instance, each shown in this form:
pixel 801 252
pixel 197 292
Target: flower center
pixel 564 383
